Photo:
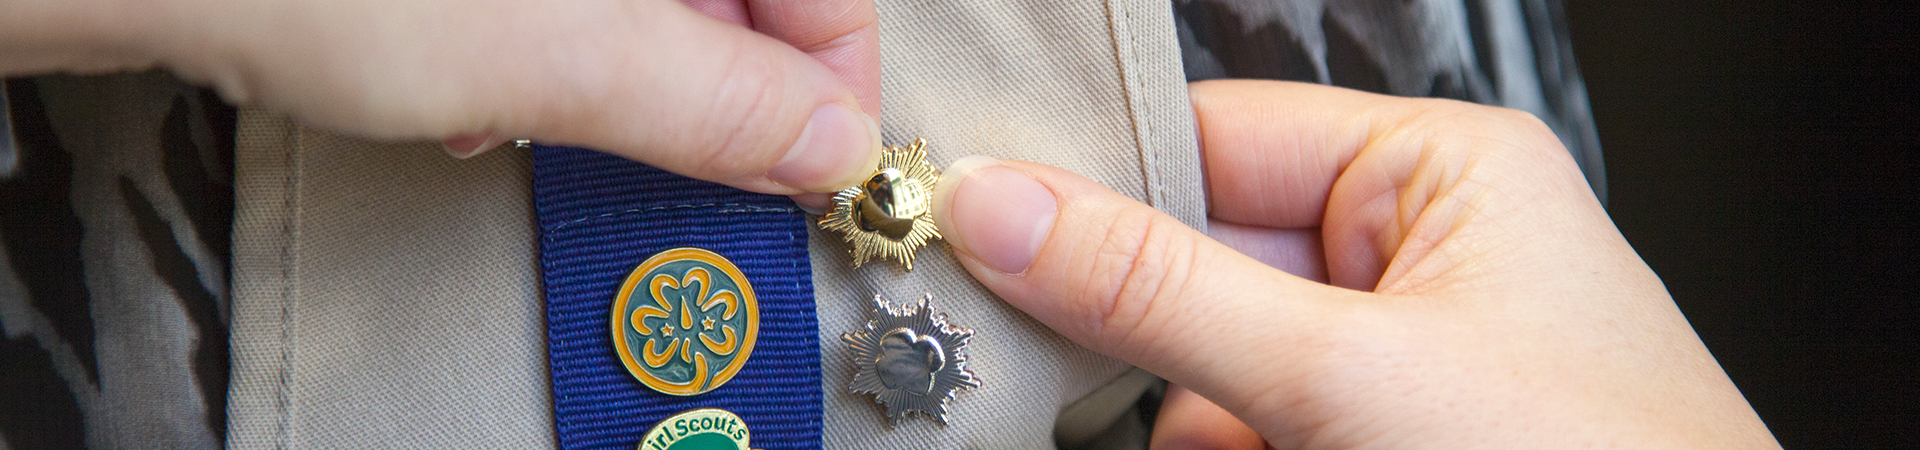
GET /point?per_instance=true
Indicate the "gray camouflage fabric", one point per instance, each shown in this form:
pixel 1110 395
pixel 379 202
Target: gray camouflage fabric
pixel 113 264
pixel 1512 53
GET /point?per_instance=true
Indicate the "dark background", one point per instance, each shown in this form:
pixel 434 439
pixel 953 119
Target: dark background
pixel 1763 158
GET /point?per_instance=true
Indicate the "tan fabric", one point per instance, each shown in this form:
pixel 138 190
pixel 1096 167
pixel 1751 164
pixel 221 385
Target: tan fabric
pixel 1090 421
pixel 387 294
pixel 1092 87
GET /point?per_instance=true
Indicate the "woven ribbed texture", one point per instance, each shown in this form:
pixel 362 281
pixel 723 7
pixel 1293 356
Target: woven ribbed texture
pixel 599 217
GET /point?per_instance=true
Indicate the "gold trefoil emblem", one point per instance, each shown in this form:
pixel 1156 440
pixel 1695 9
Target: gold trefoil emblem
pixel 889 216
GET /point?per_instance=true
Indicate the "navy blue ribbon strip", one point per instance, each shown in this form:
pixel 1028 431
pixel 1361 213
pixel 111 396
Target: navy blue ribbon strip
pixel 599 217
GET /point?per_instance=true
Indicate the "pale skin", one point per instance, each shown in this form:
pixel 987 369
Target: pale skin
pixel 1380 272
pixel 766 95
pixel 1475 293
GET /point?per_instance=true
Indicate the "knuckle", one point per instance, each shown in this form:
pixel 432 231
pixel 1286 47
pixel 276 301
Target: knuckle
pixel 1525 137
pixel 1523 122
pixel 818 25
pixel 1140 266
pixel 1525 130
pixel 741 131
pixel 1468 128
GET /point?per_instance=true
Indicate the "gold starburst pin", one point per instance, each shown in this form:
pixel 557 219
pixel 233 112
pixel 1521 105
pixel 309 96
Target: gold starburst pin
pixel 890 215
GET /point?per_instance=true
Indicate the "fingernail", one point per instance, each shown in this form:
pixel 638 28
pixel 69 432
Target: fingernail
pixel 995 213
pixel 467 145
pixel 837 149
pixel 815 203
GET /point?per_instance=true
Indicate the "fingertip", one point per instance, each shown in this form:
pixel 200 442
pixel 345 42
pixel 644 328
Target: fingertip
pixel 838 148
pixel 950 179
pixel 1189 421
pixel 814 203
pixel 730 105
pixel 998 216
pixel 943 190
pixel 465 146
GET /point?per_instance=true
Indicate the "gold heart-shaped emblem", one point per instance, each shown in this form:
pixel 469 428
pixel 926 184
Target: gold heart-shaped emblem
pixel 889 204
pixel 890 214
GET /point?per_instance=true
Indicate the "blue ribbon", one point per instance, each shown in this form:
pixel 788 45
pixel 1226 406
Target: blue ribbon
pixel 599 217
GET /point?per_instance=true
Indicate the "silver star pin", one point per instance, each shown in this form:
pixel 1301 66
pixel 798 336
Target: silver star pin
pixel 910 359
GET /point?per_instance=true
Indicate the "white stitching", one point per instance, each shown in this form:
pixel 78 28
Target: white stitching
pixel 722 208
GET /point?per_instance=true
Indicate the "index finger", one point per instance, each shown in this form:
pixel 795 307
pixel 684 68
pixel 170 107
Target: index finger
pixel 843 34
pixel 1374 171
pixel 1273 149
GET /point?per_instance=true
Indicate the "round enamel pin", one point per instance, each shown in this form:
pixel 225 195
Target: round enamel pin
pixel 889 216
pixel 699 429
pixel 910 359
pixel 685 321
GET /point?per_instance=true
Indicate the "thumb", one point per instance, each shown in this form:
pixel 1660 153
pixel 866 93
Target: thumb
pixel 714 101
pixel 1131 282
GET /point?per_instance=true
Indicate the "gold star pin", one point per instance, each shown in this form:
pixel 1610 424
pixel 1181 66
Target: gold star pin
pixel 889 216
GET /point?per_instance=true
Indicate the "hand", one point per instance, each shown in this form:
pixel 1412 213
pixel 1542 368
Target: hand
pixel 1478 295
pixel 766 95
